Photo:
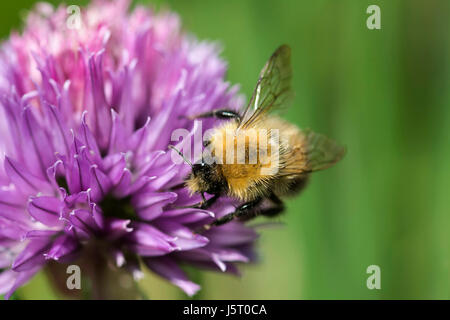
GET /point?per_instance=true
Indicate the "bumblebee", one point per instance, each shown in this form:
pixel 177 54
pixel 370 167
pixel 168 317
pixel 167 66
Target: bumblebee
pixel 257 157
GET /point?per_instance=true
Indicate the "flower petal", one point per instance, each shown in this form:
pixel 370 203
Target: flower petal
pixel 23 179
pixel 32 255
pixel 167 268
pixel 21 278
pixel 150 205
pixel 62 247
pixel 46 210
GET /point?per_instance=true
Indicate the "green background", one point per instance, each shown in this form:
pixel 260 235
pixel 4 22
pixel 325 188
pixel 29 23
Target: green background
pixel 385 95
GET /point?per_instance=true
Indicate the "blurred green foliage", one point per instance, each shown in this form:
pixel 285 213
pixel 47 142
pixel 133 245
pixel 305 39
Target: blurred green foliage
pixel 385 94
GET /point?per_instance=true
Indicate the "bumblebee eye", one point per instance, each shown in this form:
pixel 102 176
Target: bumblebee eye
pixel 198 168
pixel 206 143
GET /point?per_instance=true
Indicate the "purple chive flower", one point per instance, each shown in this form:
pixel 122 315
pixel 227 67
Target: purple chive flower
pixel 86 117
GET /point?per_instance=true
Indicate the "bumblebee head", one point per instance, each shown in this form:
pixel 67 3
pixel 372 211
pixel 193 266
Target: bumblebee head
pixel 201 169
pixel 205 178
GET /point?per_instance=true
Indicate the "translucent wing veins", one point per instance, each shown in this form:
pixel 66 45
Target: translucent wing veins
pixel 273 89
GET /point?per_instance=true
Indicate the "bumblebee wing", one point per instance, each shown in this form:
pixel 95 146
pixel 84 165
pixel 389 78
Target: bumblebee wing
pixel 321 152
pixel 273 89
pixel 314 152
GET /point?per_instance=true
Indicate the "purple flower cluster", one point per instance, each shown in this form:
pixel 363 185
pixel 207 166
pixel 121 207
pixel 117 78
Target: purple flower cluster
pixel 86 117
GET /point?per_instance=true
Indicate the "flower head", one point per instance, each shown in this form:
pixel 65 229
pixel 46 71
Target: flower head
pixel 86 116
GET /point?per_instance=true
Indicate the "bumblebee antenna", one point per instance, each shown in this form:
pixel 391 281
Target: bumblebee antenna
pixel 181 155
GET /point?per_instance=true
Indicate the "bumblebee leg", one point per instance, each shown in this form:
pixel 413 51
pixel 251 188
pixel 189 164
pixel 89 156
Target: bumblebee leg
pixel 276 209
pixel 273 211
pixel 178 186
pixel 222 114
pixel 208 203
pixel 242 211
pixel 203 204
